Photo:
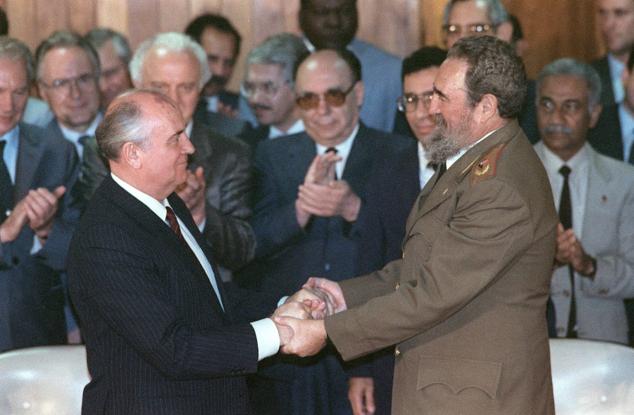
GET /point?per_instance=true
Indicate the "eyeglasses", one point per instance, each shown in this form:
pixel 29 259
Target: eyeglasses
pixel 472 29
pixel 409 102
pixel 63 86
pixel 269 88
pixel 334 97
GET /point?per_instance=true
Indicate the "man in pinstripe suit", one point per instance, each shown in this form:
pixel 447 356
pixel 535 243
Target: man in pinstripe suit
pixel 163 334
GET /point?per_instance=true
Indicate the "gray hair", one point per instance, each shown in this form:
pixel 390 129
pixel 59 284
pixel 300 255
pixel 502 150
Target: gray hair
pixel 124 123
pixel 13 49
pixel 496 12
pixel 65 39
pixel 573 67
pixel 98 37
pixel 169 42
pixel 284 49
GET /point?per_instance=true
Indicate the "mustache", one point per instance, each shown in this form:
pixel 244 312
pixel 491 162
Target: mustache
pixel 557 129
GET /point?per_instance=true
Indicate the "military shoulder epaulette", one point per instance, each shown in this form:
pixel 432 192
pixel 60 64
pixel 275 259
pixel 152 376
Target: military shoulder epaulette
pixel 485 168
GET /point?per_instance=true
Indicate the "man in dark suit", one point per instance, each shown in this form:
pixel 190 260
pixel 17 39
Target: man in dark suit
pixel 67 78
pixel 36 217
pixel 305 218
pixel 218 189
pixel 392 189
pixel 269 90
pixel 616 20
pixel 163 334
pixel 465 305
pixel 221 42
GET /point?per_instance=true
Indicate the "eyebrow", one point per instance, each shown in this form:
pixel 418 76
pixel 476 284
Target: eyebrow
pixel 439 92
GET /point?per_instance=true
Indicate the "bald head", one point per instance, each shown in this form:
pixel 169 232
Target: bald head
pixel 330 93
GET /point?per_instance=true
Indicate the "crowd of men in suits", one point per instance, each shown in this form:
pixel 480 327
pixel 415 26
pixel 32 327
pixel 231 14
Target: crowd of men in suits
pixel 311 170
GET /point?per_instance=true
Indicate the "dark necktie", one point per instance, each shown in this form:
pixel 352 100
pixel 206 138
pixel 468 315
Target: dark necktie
pixel 6 186
pixel 565 217
pixel 334 151
pixel 631 159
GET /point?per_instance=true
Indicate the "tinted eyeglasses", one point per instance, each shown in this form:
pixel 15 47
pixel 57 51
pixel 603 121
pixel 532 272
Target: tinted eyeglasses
pixel 409 102
pixel 334 97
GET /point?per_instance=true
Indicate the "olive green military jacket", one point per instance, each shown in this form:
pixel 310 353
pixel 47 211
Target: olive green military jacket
pixel 466 306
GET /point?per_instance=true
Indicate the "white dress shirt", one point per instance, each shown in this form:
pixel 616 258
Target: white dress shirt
pixel 616 70
pixel 297 127
pixel 425 170
pixel 343 151
pixel 74 136
pixel 265 330
pixel 577 181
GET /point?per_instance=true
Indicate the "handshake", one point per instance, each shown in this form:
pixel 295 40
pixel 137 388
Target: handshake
pixel 300 320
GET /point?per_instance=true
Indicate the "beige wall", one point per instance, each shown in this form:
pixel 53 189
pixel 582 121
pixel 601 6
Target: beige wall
pixel 553 28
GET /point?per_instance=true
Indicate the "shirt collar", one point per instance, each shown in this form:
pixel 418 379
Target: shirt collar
pixel 158 207
pixel 552 162
pixel 297 127
pixel 11 136
pixel 343 148
pixel 73 136
pixel 451 160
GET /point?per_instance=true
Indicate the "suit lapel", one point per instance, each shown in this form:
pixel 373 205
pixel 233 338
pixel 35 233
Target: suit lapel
pixel 599 177
pixel 297 159
pixel 160 232
pixel 184 215
pixel 30 153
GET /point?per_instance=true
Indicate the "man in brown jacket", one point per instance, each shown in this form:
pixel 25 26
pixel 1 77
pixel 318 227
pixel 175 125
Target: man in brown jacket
pixel 465 306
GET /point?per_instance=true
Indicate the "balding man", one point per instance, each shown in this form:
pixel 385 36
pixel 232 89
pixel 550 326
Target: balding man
pixel 163 334
pixel 310 190
pixel 37 171
pixel 217 191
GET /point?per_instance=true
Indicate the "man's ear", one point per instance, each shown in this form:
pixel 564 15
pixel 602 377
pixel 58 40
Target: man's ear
pixel 505 32
pixel 487 107
pixel 131 155
pixel 359 91
pixel 594 115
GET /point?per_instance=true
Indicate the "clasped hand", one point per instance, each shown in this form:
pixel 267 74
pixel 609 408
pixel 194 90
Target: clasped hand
pixel 300 319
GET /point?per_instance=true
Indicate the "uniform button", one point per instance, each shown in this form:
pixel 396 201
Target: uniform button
pixel 327 266
pixel 403 256
pixel 397 352
pixel 397 285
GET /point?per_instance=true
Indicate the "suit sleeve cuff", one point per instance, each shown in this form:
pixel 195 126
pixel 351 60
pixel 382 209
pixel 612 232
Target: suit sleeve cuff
pixel 267 337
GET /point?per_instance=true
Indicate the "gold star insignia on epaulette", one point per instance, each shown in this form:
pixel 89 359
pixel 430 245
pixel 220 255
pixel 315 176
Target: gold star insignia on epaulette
pixel 482 167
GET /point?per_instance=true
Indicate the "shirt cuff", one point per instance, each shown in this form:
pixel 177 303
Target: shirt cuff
pixel 267 337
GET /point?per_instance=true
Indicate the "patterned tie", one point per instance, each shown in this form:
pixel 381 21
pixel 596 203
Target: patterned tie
pixel 565 217
pixel 170 216
pixel 6 186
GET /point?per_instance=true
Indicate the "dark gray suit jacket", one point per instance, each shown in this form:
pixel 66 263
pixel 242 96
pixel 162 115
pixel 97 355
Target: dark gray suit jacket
pixel 31 296
pixel 227 165
pixel 288 254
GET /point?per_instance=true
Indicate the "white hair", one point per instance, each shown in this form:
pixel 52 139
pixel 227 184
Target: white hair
pixel 169 42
